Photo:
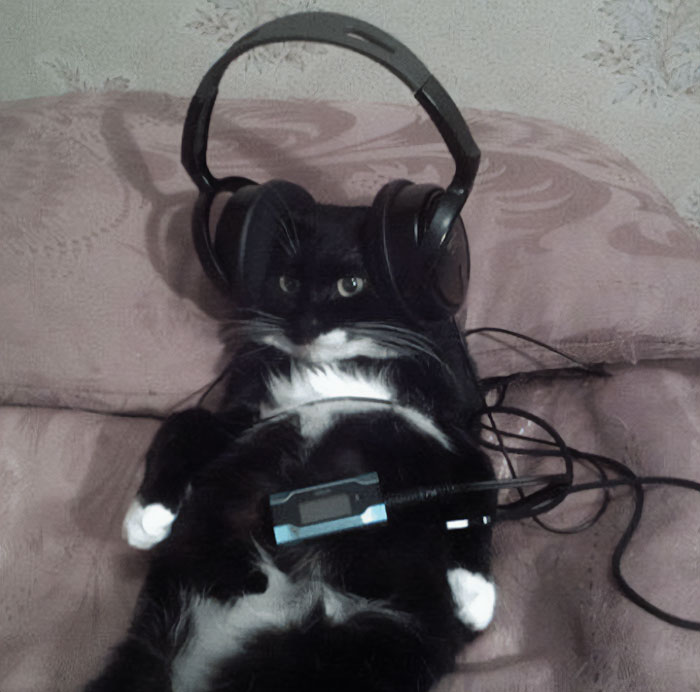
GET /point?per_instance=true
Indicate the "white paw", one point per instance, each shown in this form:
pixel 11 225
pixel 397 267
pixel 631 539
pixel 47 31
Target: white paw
pixel 143 527
pixel 474 597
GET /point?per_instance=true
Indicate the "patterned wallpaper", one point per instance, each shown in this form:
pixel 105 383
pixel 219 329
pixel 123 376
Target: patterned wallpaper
pixel 626 71
pixel 655 51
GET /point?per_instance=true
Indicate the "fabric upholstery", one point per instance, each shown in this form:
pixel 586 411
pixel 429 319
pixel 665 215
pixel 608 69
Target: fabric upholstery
pixel 105 306
pixel 104 311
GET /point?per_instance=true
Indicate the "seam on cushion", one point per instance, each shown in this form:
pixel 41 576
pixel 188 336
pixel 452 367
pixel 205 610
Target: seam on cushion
pixel 86 412
pixel 107 392
pixel 162 402
pixel 518 347
pixel 156 404
pixel 154 412
pixel 562 344
pixel 158 414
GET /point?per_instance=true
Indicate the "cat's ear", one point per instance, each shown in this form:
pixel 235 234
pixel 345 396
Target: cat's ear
pixel 256 222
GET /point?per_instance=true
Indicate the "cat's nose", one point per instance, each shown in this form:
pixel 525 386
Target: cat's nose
pixel 304 328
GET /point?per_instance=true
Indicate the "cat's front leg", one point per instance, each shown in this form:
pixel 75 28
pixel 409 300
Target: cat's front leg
pixel 473 589
pixel 184 443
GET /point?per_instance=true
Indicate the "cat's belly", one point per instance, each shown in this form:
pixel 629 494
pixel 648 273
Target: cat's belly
pixel 318 425
pixel 219 631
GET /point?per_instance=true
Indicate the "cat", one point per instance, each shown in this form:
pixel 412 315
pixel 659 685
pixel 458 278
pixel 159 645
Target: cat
pixel 328 381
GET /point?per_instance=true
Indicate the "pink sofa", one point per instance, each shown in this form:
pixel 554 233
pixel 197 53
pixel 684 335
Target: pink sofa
pixel 107 324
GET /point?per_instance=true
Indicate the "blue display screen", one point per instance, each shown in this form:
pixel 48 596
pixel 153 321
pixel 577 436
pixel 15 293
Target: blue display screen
pixel 324 508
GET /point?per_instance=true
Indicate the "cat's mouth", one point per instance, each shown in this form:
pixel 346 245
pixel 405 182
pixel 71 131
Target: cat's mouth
pixel 329 347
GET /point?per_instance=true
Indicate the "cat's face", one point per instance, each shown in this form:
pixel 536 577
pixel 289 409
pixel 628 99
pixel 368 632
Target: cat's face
pixel 319 302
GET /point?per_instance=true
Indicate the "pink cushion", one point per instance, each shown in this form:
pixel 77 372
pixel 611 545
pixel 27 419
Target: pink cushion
pixel 105 306
pixel 68 582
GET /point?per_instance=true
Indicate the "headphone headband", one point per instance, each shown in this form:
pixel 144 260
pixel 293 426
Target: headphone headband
pixel 360 37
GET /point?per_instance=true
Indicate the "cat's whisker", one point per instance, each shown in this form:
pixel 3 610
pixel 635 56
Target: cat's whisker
pixel 258 317
pixel 291 247
pixel 254 352
pixel 261 313
pixel 255 329
pixel 398 338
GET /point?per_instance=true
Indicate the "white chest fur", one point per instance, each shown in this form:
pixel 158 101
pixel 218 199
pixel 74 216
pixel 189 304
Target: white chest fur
pixel 330 347
pixel 320 394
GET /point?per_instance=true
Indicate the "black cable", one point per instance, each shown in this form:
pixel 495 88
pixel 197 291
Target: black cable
pixel 436 493
pixel 488 410
pixel 593 368
pixel 637 483
pixel 600 470
pixel 599 462
pixel 210 388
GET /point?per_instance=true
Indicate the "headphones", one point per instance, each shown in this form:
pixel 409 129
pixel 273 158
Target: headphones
pixel 417 247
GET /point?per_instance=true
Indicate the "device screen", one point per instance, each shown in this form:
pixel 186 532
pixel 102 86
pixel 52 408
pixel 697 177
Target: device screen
pixel 321 509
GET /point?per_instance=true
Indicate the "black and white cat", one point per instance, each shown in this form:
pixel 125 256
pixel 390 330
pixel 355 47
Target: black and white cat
pixel 329 382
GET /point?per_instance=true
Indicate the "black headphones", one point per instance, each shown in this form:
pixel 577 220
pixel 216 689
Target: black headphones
pixel 416 242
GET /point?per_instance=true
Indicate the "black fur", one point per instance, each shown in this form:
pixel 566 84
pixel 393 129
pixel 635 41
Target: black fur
pixel 215 470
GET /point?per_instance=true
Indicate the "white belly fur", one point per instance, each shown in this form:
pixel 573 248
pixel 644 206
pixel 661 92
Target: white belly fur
pixel 219 630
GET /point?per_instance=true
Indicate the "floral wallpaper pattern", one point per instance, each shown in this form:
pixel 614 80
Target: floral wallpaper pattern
pixel 689 208
pixel 656 52
pixel 227 20
pixel 633 79
pixel 68 75
pixel 655 57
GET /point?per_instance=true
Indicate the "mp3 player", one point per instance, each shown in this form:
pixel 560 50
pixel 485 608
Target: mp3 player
pixel 327 508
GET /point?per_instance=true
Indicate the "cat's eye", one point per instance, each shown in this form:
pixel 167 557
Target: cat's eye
pixel 350 286
pixel 289 285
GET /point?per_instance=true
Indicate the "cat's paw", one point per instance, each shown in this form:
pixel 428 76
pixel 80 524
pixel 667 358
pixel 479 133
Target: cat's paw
pixel 474 596
pixel 143 527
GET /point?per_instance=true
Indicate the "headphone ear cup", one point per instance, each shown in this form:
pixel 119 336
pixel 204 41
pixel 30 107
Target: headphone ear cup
pixel 452 269
pixel 425 274
pixel 227 238
pixel 379 253
pixel 248 234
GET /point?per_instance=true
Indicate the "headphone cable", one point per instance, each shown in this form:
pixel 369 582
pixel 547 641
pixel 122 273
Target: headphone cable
pixel 599 462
